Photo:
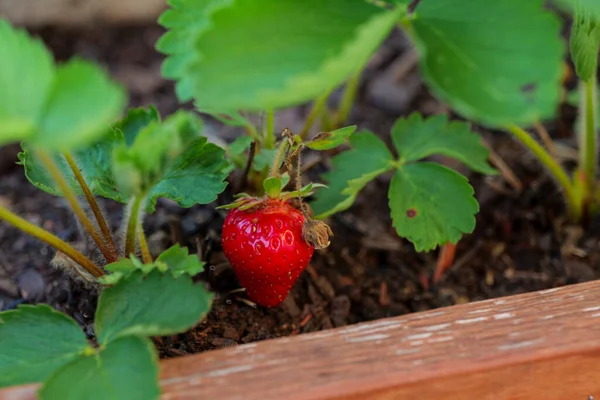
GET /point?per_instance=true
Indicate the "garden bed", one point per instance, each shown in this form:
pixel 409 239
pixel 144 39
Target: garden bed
pixel 522 242
pixel 537 345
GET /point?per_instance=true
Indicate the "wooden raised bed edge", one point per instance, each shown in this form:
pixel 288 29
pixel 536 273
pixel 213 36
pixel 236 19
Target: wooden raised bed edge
pixel 540 345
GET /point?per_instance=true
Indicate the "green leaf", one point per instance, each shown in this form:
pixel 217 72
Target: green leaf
pixel 126 266
pixel 171 160
pixel 240 144
pixel 136 120
pixel 138 167
pixel 26 77
pixel 167 159
pixel 231 55
pixel 179 261
pixel 57 109
pixel 231 118
pixel 273 186
pixel 585 43
pixel 415 138
pixel 80 107
pixel 330 140
pixel 185 21
pixel 431 205
pixel 235 151
pixel 34 342
pixel 95 161
pixel 150 305
pixel 305 191
pixel 126 369
pixel 263 159
pixel 496 62
pixel 369 158
pixel 591 7
pixel 196 177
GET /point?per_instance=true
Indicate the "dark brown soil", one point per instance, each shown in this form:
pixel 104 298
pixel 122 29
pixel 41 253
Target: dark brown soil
pixel 522 241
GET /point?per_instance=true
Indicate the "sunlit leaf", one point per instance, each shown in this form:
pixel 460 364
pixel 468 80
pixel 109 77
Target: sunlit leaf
pixel 496 62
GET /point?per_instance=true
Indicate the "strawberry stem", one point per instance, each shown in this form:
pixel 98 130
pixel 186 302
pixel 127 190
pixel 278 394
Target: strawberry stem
pixel 71 198
pixel 133 224
pixel 146 255
pixel 319 107
pixel 50 239
pixel 347 101
pixel 270 130
pixel 92 202
pixel 555 169
pixel 283 146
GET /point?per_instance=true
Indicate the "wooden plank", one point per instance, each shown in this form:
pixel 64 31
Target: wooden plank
pixel 541 345
pixel 80 13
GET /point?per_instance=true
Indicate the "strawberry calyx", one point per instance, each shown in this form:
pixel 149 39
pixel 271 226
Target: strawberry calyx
pixel 314 232
pixel 273 190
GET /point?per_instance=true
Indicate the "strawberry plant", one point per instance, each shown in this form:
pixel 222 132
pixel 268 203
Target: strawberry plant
pixel 499 65
pixel 64 115
pixel 268 241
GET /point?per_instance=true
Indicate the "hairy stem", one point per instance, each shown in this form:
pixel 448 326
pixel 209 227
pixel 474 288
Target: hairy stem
pixel 347 100
pixel 318 107
pixel 133 224
pixel 587 147
pixel 270 130
pixel 279 158
pixel 146 256
pixel 71 198
pixel 92 202
pixel 553 167
pixel 50 239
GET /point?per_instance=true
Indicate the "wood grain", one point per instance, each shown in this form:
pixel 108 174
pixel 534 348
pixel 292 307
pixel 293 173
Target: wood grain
pixel 541 345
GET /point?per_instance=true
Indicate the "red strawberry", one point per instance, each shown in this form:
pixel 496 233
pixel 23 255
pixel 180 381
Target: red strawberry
pixel 265 246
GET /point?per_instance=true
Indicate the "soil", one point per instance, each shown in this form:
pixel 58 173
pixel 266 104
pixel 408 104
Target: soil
pixel 522 241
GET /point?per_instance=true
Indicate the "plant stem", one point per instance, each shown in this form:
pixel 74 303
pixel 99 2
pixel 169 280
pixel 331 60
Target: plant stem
pixel 279 157
pixel 50 239
pixel 270 130
pixel 553 167
pixel 146 256
pixel 347 100
pixel 71 198
pixel 318 107
pixel 588 147
pixel 133 225
pixel 251 131
pixel 92 202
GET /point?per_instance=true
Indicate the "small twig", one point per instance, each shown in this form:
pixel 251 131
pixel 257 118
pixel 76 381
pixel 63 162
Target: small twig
pixel 405 63
pixel 506 172
pixel 413 5
pixel 546 139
